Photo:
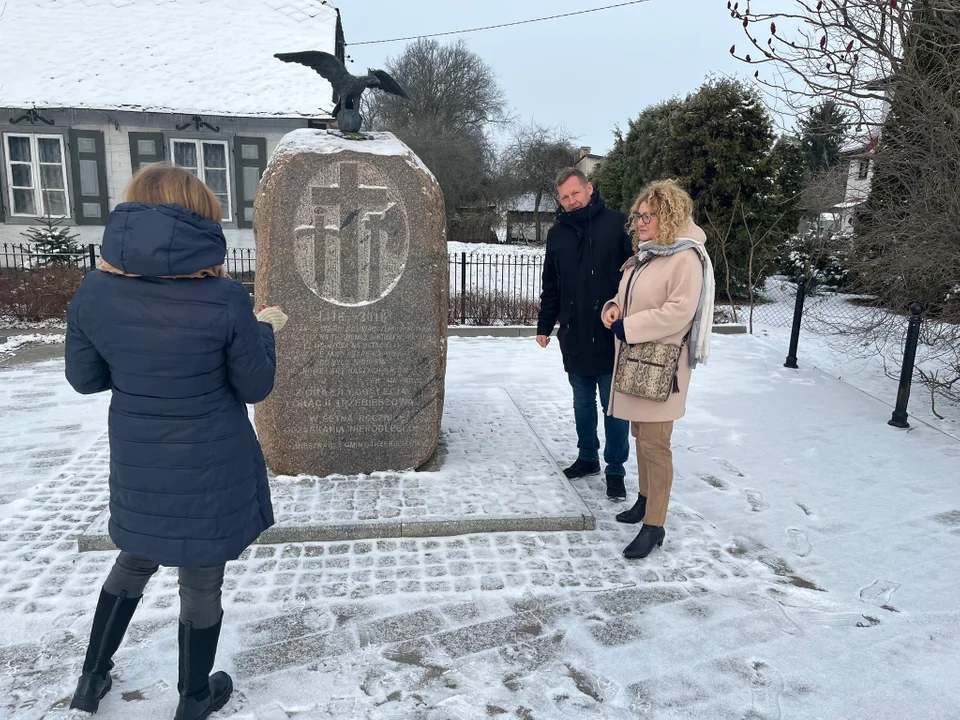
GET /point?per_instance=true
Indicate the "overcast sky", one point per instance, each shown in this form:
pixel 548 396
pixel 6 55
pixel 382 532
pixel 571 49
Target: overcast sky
pixel 587 73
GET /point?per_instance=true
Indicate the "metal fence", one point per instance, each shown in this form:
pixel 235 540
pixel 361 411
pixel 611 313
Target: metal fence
pixel 487 289
pixel 504 289
pixel 241 263
pixel 21 257
pixel 825 311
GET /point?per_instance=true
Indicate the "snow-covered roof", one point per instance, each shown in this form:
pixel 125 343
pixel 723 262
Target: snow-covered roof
pixel 850 203
pixel 206 57
pixel 862 145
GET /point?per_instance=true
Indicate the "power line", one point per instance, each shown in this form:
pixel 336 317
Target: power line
pixel 502 25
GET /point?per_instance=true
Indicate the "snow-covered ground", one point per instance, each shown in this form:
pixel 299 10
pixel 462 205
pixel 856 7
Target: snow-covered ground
pixel 495 249
pixel 870 373
pixel 11 344
pixel 809 572
pixel 831 339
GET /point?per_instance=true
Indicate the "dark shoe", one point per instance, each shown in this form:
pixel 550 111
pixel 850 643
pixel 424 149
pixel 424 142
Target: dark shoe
pixel 634 514
pixel 110 622
pixel 615 489
pixel 648 537
pixel 200 692
pixel 582 468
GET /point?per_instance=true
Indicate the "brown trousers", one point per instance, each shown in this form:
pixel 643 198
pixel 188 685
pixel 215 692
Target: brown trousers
pixel 655 463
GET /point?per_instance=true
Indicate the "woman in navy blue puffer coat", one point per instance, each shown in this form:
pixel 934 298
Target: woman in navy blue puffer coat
pixel 178 344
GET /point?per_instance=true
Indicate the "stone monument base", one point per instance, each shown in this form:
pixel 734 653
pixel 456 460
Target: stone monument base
pixel 491 474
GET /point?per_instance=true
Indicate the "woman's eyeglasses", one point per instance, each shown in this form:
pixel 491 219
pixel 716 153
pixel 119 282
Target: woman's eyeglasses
pixel 645 218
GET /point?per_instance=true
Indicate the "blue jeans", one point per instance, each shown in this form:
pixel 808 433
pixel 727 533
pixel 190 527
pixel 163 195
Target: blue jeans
pixel 617 447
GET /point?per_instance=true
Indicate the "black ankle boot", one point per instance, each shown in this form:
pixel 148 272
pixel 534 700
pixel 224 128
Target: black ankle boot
pixel 110 623
pixel 634 514
pixel 582 468
pixel 200 692
pixel 615 489
pixel 648 537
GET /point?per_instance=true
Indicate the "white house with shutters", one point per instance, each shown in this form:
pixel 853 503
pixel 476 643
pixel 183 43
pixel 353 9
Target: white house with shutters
pixel 93 90
pixel 857 162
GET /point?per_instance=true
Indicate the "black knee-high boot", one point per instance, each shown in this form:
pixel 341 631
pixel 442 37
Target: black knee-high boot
pixel 200 692
pixel 110 623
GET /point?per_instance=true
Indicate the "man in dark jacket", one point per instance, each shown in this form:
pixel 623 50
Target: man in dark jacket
pixel 581 271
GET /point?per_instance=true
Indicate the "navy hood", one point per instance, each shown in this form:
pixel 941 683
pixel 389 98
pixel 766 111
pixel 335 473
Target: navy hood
pixel 156 240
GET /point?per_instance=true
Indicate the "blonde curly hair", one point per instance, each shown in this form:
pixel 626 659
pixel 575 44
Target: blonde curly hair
pixel 670 203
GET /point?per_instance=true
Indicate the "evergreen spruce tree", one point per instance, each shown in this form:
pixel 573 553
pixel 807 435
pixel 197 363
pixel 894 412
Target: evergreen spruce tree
pixel 822 134
pixel 723 153
pixel 53 243
pixel 719 144
pixel 637 158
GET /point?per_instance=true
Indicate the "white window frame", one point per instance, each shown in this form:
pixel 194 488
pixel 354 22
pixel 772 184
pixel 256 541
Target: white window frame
pixel 198 143
pixel 35 173
pixel 863 169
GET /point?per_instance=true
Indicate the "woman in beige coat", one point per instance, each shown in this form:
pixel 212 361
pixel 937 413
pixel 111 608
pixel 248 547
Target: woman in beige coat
pixel 670 286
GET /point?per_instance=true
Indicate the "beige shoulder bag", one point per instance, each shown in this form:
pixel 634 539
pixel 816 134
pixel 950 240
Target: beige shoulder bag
pixel 646 370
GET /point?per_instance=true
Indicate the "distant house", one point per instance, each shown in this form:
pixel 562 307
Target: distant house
pixel 93 90
pixel 521 218
pixel 858 157
pixel 588 161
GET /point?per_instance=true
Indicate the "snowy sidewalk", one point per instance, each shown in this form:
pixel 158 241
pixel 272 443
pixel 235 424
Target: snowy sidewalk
pixel 809 572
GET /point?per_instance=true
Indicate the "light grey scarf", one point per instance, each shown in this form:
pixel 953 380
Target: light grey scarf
pixel 679 245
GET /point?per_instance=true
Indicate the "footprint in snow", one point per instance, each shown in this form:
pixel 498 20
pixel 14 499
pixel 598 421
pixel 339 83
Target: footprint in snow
pixel 798 543
pixel 878 592
pixel 714 481
pixel 775 610
pixel 757 503
pixel 729 467
pixel 766 686
pixel 836 619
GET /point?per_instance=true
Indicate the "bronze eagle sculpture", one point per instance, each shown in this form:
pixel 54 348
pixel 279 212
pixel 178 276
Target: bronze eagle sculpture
pixel 348 87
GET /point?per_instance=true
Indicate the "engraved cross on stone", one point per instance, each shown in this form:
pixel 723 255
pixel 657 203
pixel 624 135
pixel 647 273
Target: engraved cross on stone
pixel 355 203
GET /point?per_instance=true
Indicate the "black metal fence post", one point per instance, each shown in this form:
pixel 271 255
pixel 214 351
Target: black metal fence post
pixel 92 255
pixel 899 418
pixel 463 287
pixel 797 319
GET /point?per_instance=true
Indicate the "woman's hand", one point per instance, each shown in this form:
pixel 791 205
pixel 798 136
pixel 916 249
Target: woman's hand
pixel 274 316
pixel 610 316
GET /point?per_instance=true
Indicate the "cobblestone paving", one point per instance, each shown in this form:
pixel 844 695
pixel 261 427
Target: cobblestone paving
pixel 516 625
pixel 491 468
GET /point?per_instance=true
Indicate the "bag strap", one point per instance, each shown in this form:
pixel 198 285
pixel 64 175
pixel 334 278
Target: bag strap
pixel 641 264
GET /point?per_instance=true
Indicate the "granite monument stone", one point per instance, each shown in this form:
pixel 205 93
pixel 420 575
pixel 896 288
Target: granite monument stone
pixel 351 243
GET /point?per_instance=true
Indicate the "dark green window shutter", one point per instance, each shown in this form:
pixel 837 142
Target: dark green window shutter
pixel 145 149
pixel 250 159
pixel 89 163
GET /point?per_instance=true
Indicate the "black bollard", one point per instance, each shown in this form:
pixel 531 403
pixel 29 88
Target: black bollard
pixel 463 288
pixel 797 318
pixel 899 418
